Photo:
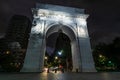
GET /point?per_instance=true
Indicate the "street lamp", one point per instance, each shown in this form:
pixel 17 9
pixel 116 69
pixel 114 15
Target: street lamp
pixel 45 62
pixel 100 55
pixel 46 57
pixel 7 52
pixel 60 52
pixel 56 57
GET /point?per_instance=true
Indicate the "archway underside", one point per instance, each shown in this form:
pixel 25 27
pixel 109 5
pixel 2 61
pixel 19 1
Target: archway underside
pixel 74 43
pixel 58 52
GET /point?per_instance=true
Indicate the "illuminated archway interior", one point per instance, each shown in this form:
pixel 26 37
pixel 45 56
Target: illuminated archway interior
pixel 59 53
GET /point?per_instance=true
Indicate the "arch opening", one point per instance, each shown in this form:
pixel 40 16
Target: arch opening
pixel 68 45
pixel 67 30
pixel 58 55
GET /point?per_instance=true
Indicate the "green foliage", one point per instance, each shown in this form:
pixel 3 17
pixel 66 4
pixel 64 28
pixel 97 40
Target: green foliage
pixel 106 56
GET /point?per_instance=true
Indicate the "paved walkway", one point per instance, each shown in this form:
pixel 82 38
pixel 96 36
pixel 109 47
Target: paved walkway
pixel 60 76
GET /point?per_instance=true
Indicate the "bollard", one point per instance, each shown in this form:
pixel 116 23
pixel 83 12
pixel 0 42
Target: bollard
pixel 48 70
pixel 55 70
pixel 77 70
pixel 62 70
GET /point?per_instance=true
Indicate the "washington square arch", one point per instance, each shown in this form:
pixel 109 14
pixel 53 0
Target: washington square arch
pixel 49 19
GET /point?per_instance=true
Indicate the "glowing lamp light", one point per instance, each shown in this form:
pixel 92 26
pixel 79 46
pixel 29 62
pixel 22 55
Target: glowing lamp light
pixel 7 52
pixel 60 53
pixel 56 57
pixel 100 55
pixel 46 57
pixel 109 61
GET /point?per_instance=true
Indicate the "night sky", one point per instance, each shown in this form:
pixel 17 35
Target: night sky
pixel 103 22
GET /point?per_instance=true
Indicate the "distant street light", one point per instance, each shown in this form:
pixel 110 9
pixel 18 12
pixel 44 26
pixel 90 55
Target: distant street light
pixel 56 57
pixel 109 61
pixel 60 52
pixel 100 55
pixel 7 52
pixel 46 57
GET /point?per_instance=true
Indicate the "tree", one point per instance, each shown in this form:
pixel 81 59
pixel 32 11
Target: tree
pixel 110 54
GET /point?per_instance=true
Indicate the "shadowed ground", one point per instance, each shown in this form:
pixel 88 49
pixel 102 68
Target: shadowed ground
pixel 60 76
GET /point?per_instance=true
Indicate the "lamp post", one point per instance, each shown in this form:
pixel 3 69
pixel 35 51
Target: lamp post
pixel 60 53
pixel 46 58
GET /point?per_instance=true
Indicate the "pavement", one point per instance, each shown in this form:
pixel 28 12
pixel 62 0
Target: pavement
pixel 61 76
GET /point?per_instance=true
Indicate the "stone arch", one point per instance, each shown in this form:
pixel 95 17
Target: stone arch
pixel 65 28
pixel 48 17
pixel 74 42
pixel 71 27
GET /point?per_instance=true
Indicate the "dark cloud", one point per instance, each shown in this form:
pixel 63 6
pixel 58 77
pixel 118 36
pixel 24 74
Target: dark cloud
pixel 103 22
